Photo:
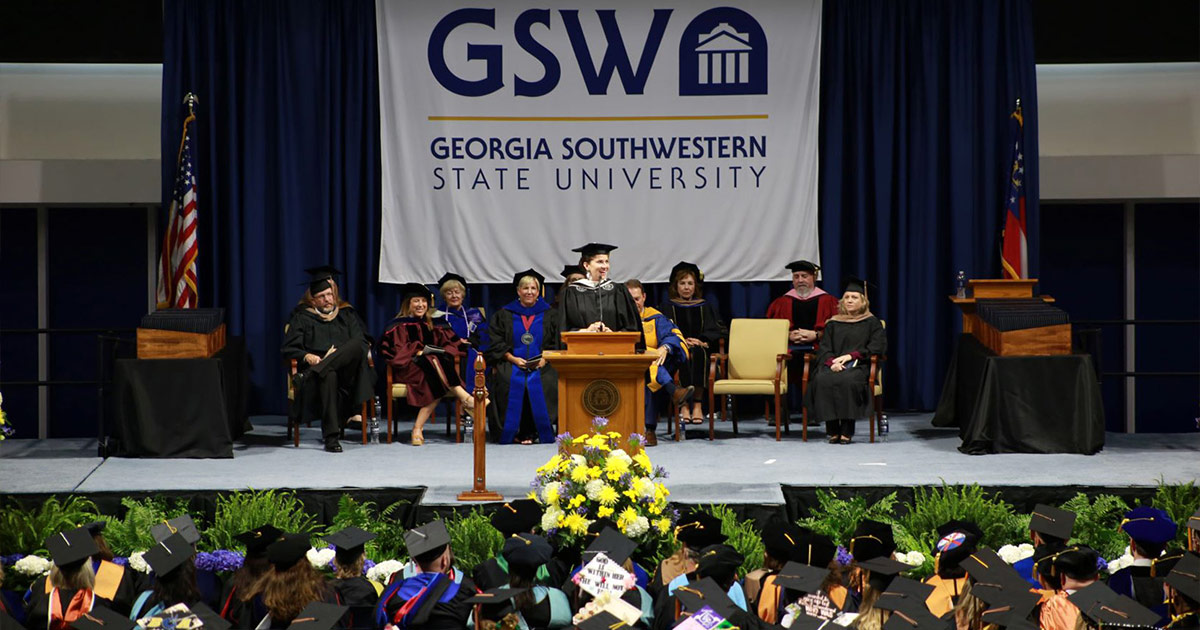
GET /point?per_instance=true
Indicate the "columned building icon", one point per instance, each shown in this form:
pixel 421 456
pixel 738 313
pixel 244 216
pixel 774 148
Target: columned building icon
pixel 723 56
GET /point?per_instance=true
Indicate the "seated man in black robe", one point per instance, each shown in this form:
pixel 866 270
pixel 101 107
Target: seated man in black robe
pixel 327 339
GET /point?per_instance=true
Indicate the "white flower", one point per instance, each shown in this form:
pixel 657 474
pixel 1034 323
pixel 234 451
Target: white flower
pixel 644 487
pixel 637 527
pixel 138 562
pixel 1 399
pixel 594 488
pixel 578 460
pixel 1026 549
pixel 621 455
pixel 382 572
pixel 1120 563
pixel 33 565
pixel 551 489
pixel 320 558
pixel 913 558
pixel 550 518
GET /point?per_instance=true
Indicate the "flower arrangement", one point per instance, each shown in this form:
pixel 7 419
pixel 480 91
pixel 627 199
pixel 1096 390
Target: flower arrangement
pixel 6 429
pixel 603 482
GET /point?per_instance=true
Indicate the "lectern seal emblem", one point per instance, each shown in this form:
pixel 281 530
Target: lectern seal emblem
pixel 601 398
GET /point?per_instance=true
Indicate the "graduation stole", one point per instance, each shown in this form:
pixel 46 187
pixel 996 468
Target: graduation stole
pixel 420 593
pixel 59 619
pixel 108 579
pixel 527 342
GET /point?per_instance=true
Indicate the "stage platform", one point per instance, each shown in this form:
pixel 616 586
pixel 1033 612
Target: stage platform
pixel 751 469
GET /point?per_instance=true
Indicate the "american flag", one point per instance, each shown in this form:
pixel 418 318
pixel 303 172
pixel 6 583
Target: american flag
pixel 1014 253
pixel 177 262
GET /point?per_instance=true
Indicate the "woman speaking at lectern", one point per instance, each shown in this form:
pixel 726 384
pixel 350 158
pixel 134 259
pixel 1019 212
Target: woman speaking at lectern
pixel 596 303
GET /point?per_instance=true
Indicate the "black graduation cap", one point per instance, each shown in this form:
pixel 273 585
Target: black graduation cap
pixel 103 618
pixel 696 595
pixel 288 550
pixel 602 620
pixel 1043 558
pixel 780 539
pixel 988 568
pixel 801 577
pixel 320 277
pixel 719 562
pixel 1052 521
pixel 541 280
pixel 318 616
pixel 1078 562
pixel 96 527
pixel 527 550
pixel 904 594
pixel 611 543
pixel 815 549
pixel 257 540
pixel 496 595
pixel 167 555
pixel 210 618
pixel 517 517
pixel 572 270
pixel 182 524
pixel 1162 565
pixel 1185 577
pixel 884 565
pixel 592 249
pixel 348 543
pixel 415 289
pixel 699 529
pixel 956 542
pixel 1004 603
pixel 915 620
pixel 427 541
pixel 683 265
pixel 448 276
pixel 803 265
pixel 71 547
pixel 872 539
pixel 1103 606
pixel 857 285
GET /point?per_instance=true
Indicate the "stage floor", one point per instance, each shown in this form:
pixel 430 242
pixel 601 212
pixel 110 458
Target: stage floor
pixel 749 468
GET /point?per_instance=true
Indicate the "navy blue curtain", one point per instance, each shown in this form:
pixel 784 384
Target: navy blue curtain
pixel 915 149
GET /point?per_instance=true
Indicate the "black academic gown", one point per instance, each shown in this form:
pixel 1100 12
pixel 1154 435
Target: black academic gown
pixel 1136 582
pixel 584 303
pixel 354 380
pixel 843 395
pixel 244 615
pixel 448 615
pixel 360 595
pixel 534 415
pixel 702 322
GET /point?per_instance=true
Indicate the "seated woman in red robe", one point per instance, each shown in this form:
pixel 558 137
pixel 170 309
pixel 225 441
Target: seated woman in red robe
pixel 423 356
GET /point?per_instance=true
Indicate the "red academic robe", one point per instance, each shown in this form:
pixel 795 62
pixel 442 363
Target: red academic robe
pixel 781 308
pixel 400 345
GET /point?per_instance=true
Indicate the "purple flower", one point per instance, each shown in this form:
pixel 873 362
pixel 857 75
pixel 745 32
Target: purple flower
pixel 599 422
pixel 11 559
pixel 637 439
pixel 660 472
pixel 368 564
pixel 581 510
pixel 219 561
pixel 1101 564
pixel 121 560
pixel 843 556
pixel 563 437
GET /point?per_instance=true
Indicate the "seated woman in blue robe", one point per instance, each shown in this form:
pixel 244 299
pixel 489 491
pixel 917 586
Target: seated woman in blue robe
pixel 467 322
pixel 522 385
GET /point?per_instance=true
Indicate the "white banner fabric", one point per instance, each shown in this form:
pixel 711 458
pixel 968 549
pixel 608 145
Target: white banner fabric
pixel 673 129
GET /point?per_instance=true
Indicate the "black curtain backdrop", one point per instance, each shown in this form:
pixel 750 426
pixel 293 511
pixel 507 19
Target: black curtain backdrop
pixel 915 142
pixel 915 102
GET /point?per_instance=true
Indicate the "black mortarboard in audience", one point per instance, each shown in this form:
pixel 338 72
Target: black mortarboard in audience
pixel 602 621
pixel 496 595
pixel 318 616
pixel 517 517
pixel 1185 577
pixel 1052 521
pixel 101 617
pixel 987 567
pixel 288 550
pixel 349 543
pixel 71 547
pixel 209 617
pixel 168 555
pixel 801 577
pixel 1077 562
pixel 428 541
pixel 706 592
pixel 720 562
pixel 257 540
pixel 528 551
pixel 780 539
pixel 699 529
pixel 872 539
pixel 1104 607
pixel 815 549
pixel 611 543
pixel 182 524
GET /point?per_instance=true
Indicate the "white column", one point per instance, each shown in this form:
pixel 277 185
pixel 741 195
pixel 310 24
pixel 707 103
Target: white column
pixel 704 60
pixel 744 67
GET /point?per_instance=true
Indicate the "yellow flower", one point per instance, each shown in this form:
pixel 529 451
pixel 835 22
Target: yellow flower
pixel 608 496
pixel 575 523
pixel 577 501
pixel 655 509
pixel 551 465
pixel 627 515
pixel 614 435
pixel 644 461
pixel 631 494
pixel 663 525
pixel 617 466
pixel 604 511
pixel 594 472
pixel 579 474
pixel 550 494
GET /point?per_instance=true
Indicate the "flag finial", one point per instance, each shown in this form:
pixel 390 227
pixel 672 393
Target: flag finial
pixel 191 101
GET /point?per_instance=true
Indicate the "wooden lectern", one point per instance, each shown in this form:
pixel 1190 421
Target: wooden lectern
pixel 601 375
pixel 1047 340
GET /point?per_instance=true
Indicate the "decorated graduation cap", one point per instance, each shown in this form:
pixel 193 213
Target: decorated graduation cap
pixel 318 616
pixel 448 276
pixel 593 249
pixel 516 517
pixel 719 562
pixel 957 540
pixel 527 550
pixel 801 577
pixel 182 524
pixel 1150 525
pixel 803 265
pixel 780 539
pixel 321 278
pixel 1104 607
pixel 815 549
pixel 428 541
pixel 415 289
pixel 528 273
pixel 684 266
pixel 1052 521
pixel 258 539
pixel 699 529
pixel 1185 577
pixel 168 555
pixel 103 618
pixel 1078 562
pixel 71 547
pixel 872 539
pixel 611 543
pixel 706 592
pixel 348 543
pixel 602 620
pixel 288 550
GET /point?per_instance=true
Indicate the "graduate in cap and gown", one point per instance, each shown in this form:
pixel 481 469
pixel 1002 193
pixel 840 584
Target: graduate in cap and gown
pixel 837 390
pixel 1149 530
pixel 241 602
pixel 717 562
pixel 957 540
pixel 662 337
pixel 350 586
pixel 1049 527
pixel 537 605
pixel 329 343
pixel 1183 592
pixel 172 561
pixel 468 322
pixel 423 356
pixel 292 583
pixel 1077 566
pixel 431 599
pixel 596 303
pixel 522 384
pixel 115 585
pixel 512 518
pixel 693 531
pixel 71 582
pixel 701 327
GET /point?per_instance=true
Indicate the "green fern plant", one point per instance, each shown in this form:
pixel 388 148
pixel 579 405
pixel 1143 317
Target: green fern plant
pixel 132 533
pixel 1098 523
pixel 245 510
pixel 26 531
pixel 1180 500
pixel 473 538
pixel 837 518
pixel 741 535
pixel 389 531
pixel 931 507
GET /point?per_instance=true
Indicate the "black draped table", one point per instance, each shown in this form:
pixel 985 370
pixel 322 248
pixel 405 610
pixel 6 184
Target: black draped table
pixel 181 407
pixel 1021 404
